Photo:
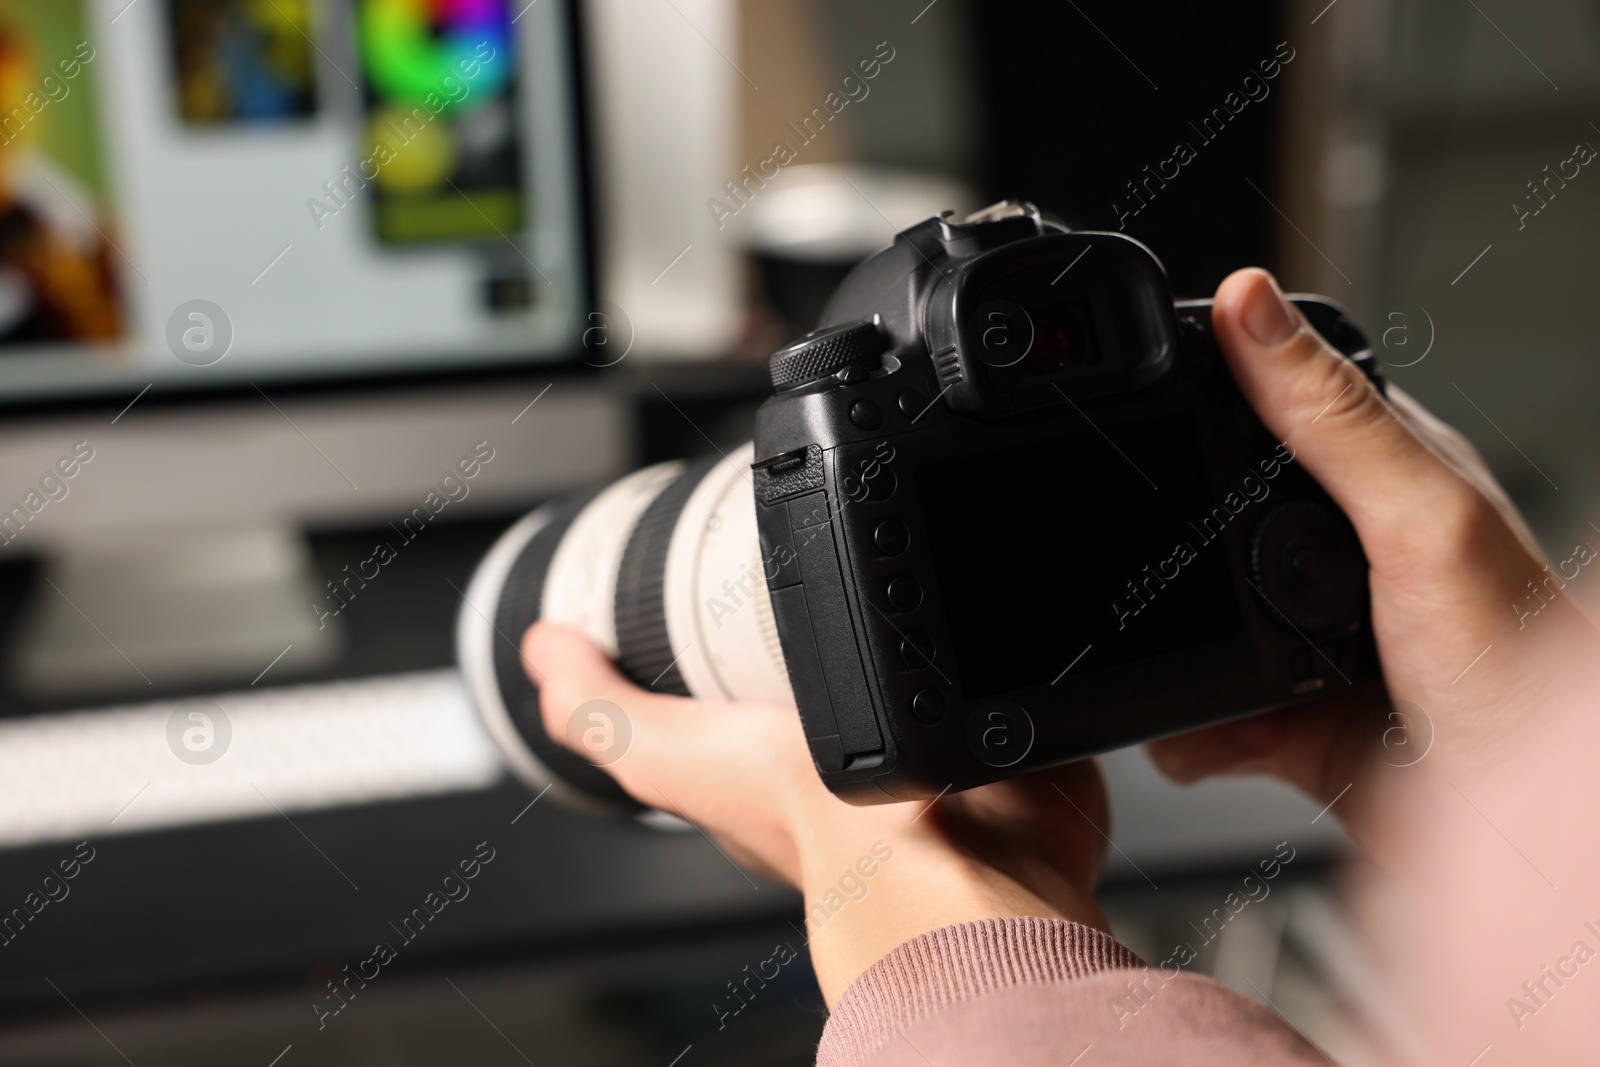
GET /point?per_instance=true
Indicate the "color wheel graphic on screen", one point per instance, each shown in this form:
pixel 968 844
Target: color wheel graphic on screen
pixel 442 123
pixel 413 45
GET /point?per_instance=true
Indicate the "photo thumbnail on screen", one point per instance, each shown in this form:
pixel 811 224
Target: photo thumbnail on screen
pixel 59 270
pixel 442 124
pixel 243 61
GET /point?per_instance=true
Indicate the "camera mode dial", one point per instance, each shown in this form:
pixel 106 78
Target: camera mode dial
pixel 852 346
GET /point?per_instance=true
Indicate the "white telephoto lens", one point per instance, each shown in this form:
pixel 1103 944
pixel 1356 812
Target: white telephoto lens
pixel 663 571
pixel 580 588
pixel 719 614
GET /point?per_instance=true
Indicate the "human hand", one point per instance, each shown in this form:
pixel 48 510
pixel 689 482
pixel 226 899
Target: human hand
pixel 1451 561
pixel 873 877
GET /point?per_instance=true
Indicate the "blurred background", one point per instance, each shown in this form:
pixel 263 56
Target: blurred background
pixel 270 270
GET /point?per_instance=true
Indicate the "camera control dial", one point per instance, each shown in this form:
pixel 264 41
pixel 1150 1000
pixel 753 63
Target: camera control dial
pixel 853 346
pixel 1307 566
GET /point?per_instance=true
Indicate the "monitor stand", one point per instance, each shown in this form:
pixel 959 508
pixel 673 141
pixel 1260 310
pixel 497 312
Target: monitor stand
pixel 168 610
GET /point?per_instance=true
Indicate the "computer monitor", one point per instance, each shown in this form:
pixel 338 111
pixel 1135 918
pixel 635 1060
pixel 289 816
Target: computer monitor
pixel 267 266
pixel 201 193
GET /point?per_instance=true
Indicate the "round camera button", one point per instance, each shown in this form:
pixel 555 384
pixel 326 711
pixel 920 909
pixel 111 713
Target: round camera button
pixel 928 706
pixel 866 415
pixel 916 650
pixel 1309 564
pixel 911 404
pixel 904 593
pixel 890 537
pixel 1000 733
pixel 882 485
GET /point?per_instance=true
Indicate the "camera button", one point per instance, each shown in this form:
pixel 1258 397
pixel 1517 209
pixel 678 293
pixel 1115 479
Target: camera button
pixel 866 415
pixel 890 537
pixel 911 404
pixel 1310 564
pixel 928 706
pixel 916 650
pixel 1000 733
pixel 904 593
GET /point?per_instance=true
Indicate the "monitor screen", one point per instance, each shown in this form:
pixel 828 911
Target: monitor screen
pixel 205 193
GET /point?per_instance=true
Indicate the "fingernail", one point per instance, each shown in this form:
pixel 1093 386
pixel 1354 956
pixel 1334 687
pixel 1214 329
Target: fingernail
pixel 1257 735
pixel 1267 316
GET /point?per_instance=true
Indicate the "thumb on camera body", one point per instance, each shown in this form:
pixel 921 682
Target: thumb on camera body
pixel 1385 477
pixel 1446 548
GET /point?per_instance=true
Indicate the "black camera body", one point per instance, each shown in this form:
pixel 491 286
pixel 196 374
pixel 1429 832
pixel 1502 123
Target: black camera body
pixel 1014 511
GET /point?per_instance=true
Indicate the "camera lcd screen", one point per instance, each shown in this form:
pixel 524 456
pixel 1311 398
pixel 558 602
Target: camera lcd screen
pixel 1066 552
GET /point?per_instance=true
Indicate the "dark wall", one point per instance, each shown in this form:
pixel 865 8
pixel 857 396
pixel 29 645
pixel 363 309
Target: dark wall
pixel 1066 119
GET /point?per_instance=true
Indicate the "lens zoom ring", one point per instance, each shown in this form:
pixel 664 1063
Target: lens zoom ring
pixel 520 601
pixel 644 648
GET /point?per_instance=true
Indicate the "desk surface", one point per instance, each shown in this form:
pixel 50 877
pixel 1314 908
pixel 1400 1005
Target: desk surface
pixel 269 901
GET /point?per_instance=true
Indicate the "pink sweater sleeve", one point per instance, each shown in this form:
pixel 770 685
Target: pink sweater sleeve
pixel 1042 991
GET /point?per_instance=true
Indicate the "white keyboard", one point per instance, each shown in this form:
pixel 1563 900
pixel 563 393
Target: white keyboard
pixel 86 774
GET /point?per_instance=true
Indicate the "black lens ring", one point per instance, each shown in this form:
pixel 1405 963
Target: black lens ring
pixel 644 647
pixel 518 608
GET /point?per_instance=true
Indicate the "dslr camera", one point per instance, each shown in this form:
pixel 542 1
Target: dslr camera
pixel 1005 510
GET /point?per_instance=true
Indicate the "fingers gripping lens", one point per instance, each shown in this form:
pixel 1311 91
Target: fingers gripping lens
pixel 600 732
